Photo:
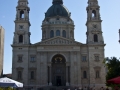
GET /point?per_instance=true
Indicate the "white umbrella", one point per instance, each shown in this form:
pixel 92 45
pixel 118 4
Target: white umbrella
pixel 7 82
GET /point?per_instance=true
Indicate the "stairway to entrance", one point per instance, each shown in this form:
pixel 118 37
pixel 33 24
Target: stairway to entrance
pixel 56 88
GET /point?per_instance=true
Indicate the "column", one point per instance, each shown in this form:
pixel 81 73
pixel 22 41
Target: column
pixel 50 83
pixel 18 12
pixel 67 84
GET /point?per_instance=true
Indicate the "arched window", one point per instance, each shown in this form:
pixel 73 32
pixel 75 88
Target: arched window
pixel 32 75
pixel 22 14
pixel 64 33
pixel 20 38
pixel 44 34
pixel 84 74
pixel 19 75
pixel 95 38
pixel 58 33
pixel 58 11
pixel 97 74
pixel 93 13
pixel 51 33
pixel 71 34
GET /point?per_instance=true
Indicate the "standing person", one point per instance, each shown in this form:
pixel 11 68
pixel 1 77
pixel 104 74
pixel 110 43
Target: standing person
pixel 80 88
pixel 107 89
pixel 91 89
pixel 85 88
pixel 101 88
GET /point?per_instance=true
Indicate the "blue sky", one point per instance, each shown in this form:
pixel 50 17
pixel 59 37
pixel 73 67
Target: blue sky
pixel 110 14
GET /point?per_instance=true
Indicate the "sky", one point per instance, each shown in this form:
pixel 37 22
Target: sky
pixel 109 10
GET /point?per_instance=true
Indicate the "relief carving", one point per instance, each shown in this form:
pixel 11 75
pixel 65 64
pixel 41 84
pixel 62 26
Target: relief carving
pixel 59 41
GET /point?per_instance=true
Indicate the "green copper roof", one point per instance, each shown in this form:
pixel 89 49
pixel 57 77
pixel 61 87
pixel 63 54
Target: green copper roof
pixel 57 9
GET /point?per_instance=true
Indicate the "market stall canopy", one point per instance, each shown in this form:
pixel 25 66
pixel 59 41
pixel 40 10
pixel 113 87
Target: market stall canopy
pixel 114 80
pixel 7 82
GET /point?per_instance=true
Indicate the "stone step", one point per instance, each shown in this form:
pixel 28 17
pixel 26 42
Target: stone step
pixel 57 88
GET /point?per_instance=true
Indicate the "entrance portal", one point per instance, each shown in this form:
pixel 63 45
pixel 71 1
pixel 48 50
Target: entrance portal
pixel 58 70
pixel 58 80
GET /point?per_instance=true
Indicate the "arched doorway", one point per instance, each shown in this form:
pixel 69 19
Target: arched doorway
pixel 58 70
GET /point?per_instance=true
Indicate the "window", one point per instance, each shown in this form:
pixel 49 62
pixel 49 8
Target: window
pixel 20 38
pixel 22 14
pixel 58 11
pixel 93 13
pixel 21 27
pixel 84 74
pixel 19 75
pixel 95 38
pixel 97 74
pixel 58 33
pixel 84 58
pixel 57 18
pixel 71 34
pixel 97 57
pixel 44 34
pixel 32 59
pixel 19 58
pixel 51 33
pixel 64 33
pixel 32 75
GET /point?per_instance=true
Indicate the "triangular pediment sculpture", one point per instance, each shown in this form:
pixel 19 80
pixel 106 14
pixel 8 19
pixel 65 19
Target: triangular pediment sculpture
pixel 58 41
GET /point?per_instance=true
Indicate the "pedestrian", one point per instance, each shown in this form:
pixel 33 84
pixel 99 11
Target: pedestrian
pixel 107 89
pixel 85 88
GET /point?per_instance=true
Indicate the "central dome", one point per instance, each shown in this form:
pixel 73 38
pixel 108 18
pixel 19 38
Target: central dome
pixel 57 9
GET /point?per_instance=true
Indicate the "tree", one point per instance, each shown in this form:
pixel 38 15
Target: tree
pixel 113 68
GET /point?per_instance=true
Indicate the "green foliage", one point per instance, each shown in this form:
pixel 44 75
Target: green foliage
pixel 113 67
pixel 114 86
pixel 1 88
pixel 7 88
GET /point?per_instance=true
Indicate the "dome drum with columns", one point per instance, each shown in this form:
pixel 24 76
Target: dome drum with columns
pixel 58 60
pixel 57 18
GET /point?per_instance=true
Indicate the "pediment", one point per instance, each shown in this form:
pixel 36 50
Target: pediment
pixel 59 41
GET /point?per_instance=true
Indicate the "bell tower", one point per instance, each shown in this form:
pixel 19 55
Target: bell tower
pixel 94 30
pixel 22 23
pixel 95 44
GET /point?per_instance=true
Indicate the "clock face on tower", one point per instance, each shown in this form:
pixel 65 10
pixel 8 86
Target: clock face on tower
pixel 21 27
pixel 94 26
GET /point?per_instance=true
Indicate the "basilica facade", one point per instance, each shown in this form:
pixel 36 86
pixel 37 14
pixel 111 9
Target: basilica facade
pixel 58 60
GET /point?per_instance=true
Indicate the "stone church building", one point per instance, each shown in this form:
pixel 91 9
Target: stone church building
pixel 58 60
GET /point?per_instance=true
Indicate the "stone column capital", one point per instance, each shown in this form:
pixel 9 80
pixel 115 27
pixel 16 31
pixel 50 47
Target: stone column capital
pixel 49 64
pixel 67 63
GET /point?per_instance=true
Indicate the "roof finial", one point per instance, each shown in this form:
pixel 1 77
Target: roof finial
pixel 57 2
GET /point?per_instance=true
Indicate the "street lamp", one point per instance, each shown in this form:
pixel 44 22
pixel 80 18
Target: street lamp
pixel 119 35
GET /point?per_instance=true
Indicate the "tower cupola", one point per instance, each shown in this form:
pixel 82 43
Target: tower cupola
pixel 22 24
pixel 94 29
